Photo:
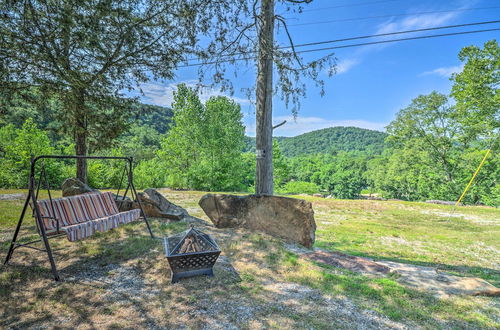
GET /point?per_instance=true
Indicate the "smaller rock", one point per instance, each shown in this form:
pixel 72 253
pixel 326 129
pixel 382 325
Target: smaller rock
pixel 12 197
pixel 317 195
pixel 436 201
pixel 156 205
pixel 124 204
pixel 73 186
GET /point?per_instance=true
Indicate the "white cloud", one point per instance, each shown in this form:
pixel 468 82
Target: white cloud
pixel 345 65
pixel 445 72
pixel 422 21
pixel 414 22
pixel 163 95
pixel 307 124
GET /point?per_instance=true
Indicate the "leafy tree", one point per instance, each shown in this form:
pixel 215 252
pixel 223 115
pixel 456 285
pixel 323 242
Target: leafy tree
pixel 428 123
pixel 17 151
pixel 343 177
pixel 150 173
pixel 476 90
pixel 86 51
pixel 202 149
pixel 433 155
pixel 248 164
pixel 280 164
pixel 299 187
pixel 408 174
pixel 141 142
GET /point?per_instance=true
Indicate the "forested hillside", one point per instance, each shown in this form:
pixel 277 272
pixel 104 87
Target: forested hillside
pixel 329 141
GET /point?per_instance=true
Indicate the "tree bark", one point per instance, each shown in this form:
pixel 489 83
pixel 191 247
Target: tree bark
pixel 80 134
pixel 264 104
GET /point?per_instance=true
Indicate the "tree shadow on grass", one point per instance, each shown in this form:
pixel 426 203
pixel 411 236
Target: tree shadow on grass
pixel 118 270
pixel 489 274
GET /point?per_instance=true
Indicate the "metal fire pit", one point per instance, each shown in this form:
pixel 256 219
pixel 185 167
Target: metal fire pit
pixel 191 253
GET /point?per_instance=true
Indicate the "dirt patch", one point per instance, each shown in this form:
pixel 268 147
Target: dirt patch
pixel 429 279
pixel 438 283
pixel 353 263
pixel 11 197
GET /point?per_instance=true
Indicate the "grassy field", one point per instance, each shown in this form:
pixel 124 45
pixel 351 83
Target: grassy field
pixel 120 279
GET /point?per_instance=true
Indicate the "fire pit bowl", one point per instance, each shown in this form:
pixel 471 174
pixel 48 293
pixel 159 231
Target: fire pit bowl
pixel 191 253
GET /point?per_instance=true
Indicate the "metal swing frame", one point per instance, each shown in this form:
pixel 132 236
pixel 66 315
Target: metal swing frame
pixel 33 189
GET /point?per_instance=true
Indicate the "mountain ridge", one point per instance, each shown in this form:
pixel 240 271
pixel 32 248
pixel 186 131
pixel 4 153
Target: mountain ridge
pixel 328 140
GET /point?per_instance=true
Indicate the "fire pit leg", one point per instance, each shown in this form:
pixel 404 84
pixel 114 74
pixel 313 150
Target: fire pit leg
pixel 177 276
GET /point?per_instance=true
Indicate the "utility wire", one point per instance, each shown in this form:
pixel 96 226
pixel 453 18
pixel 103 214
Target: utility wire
pixel 364 37
pixel 391 33
pixel 401 39
pixel 348 46
pixel 388 16
pixel 350 5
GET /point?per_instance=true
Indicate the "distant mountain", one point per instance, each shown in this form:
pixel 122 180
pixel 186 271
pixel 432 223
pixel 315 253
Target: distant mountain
pixel 329 140
pixel 152 116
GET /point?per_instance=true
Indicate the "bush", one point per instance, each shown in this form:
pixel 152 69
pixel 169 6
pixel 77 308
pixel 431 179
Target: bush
pixel 150 174
pixel 299 187
pixel 17 146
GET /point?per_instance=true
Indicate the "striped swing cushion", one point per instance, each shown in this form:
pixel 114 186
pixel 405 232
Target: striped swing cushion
pixel 81 216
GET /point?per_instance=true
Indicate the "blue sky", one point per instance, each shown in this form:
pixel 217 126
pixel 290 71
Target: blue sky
pixel 372 82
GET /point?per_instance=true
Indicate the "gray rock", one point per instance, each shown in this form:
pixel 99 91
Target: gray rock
pixel 154 205
pixel 124 204
pixel 288 218
pixel 12 197
pixel 73 186
pixel 436 201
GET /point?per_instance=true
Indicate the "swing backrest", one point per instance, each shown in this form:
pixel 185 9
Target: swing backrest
pixel 76 209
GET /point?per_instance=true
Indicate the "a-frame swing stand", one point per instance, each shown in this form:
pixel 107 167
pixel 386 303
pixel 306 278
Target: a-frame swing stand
pixel 33 189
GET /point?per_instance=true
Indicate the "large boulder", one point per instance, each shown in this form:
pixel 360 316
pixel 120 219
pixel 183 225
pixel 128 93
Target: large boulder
pixel 155 205
pixel 288 218
pixel 73 186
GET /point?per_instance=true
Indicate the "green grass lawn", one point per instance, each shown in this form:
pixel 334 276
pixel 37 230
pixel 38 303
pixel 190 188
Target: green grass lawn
pixel 465 244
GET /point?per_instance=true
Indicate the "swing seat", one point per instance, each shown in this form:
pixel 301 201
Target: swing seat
pixel 81 216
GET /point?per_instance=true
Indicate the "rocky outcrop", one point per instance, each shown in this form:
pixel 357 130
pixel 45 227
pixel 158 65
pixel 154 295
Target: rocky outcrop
pixel 154 205
pixel 73 186
pixel 288 218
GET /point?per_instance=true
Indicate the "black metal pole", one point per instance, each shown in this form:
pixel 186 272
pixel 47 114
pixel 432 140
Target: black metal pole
pixel 131 184
pixel 39 220
pixel 16 232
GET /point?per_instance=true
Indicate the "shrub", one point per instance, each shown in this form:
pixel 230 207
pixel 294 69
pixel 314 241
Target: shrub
pixel 299 187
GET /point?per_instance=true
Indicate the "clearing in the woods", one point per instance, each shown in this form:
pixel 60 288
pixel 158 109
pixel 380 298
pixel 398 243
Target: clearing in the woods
pixel 121 279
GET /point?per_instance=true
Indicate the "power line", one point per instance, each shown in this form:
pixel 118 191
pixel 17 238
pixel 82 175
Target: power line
pixel 388 16
pixel 351 5
pixel 349 46
pixel 365 37
pixel 392 33
pixel 395 40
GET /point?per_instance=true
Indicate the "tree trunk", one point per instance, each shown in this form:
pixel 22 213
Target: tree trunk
pixel 80 134
pixel 264 103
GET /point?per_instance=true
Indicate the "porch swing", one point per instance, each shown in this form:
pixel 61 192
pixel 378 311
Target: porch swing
pixel 77 217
